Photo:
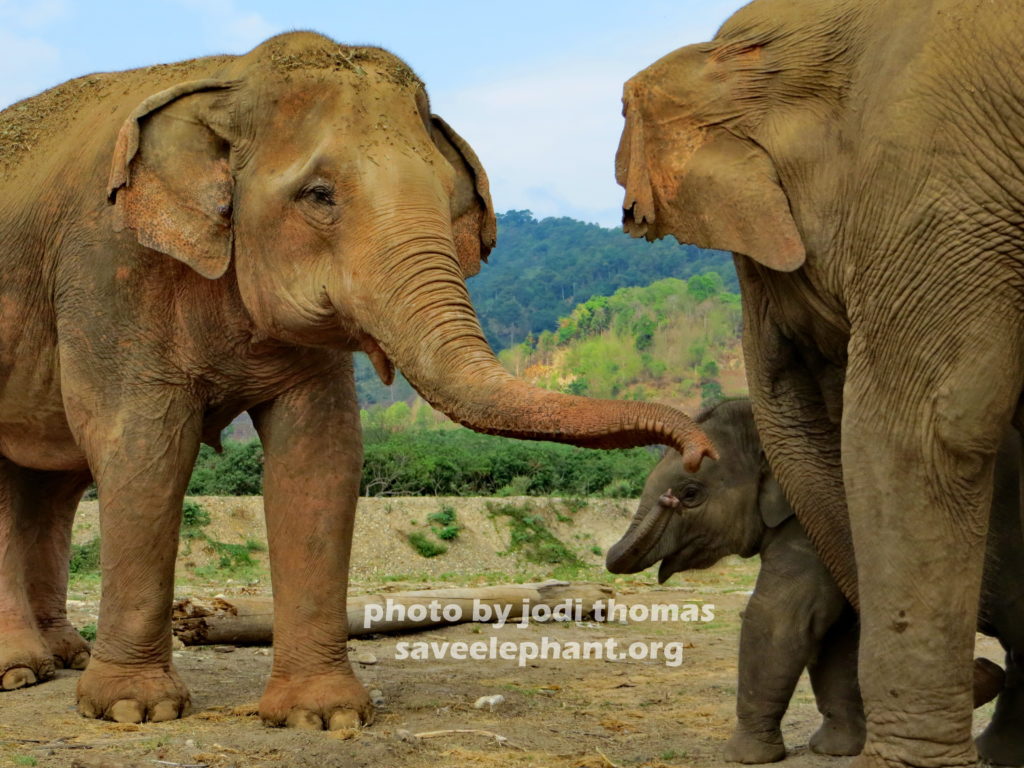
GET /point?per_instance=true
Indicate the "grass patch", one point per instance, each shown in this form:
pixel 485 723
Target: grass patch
pixel 85 558
pixel 445 524
pixel 25 760
pixel 424 546
pixel 88 631
pixel 530 536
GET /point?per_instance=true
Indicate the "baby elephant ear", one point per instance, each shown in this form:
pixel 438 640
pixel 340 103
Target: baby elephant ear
pixel 473 223
pixel 775 510
pixel 170 176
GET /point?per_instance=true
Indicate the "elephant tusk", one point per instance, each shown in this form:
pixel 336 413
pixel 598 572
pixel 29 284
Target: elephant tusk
pixel 381 364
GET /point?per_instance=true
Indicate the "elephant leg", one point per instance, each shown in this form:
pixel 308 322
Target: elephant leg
pixel 141 453
pixel 783 625
pixel 25 658
pixel 52 500
pixel 797 401
pixel 313 457
pixel 921 426
pixel 834 680
pixel 1002 742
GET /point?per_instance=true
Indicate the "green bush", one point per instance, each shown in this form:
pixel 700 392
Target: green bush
pixel 529 535
pixel 446 526
pixel 85 558
pixel 424 546
pixel 88 632
pixel 193 515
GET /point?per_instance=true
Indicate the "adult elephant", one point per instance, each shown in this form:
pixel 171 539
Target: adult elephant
pixel 181 243
pixel 863 160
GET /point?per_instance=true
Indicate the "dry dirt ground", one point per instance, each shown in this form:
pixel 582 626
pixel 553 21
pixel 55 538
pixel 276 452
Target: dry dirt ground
pixel 557 714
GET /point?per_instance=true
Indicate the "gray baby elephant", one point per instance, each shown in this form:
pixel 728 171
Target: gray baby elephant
pixel 797 618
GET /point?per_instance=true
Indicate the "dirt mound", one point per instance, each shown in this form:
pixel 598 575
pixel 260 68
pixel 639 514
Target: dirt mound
pixel 382 548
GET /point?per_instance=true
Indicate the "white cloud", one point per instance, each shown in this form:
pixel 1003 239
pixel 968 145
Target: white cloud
pixel 228 28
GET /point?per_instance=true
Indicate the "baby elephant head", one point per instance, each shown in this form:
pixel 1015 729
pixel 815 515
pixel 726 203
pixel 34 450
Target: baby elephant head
pixel 693 519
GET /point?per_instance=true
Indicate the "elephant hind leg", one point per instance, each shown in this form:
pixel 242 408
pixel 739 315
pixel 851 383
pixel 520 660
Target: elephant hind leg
pixel 52 500
pixel 36 510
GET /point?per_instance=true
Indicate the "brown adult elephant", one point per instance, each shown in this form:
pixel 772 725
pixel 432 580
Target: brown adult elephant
pixel 181 243
pixel 864 160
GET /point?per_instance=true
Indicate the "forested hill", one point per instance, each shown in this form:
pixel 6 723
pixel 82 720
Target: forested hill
pixel 673 340
pixel 542 269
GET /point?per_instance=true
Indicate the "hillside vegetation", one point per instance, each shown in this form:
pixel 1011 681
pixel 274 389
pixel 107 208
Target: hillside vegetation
pixel 675 340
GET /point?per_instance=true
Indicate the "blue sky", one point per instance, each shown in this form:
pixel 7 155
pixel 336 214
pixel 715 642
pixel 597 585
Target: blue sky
pixel 533 86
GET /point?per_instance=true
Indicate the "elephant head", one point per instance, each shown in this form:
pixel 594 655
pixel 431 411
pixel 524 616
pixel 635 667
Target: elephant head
pixel 350 216
pixel 693 519
pixel 724 141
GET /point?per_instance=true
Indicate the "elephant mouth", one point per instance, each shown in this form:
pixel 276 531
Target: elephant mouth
pixel 634 228
pixel 381 364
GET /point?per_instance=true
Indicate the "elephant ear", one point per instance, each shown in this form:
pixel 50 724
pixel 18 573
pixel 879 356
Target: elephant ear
pixel 474 226
pixel 170 176
pixel 730 199
pixel 775 510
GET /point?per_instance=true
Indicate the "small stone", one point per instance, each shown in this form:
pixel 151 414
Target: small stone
pixel 377 698
pixel 262 651
pixel 223 649
pixel 365 657
pixel 403 735
pixel 491 702
pixel 190 743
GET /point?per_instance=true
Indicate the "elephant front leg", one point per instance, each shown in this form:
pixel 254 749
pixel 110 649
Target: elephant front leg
pixel 920 432
pixel 141 456
pixel 783 625
pixel 834 680
pixel 313 458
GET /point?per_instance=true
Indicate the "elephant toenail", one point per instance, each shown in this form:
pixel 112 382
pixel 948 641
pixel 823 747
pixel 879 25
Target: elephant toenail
pixel 342 719
pixel 304 720
pixel 126 711
pixel 80 661
pixel 163 711
pixel 18 677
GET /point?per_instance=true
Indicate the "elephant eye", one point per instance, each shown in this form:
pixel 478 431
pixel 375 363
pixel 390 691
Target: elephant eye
pixel 322 194
pixel 692 495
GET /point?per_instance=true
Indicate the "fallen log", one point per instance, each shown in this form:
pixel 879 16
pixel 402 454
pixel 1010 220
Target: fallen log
pixel 249 621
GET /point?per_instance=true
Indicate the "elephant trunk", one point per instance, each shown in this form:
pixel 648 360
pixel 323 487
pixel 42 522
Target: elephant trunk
pixel 642 544
pixel 431 332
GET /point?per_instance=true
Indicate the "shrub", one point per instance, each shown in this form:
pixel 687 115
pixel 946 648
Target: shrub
pixel 88 632
pixel 446 526
pixel 424 546
pixel 85 558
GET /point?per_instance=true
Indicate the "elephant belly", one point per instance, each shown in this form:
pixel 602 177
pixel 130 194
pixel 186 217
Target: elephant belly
pixel 34 430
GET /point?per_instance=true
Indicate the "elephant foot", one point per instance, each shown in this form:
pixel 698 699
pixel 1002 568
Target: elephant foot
pixel 1000 747
pixel 25 659
pixel 870 758
pixel 751 748
pixel 131 694
pixel 838 739
pixel 330 702
pixel 69 649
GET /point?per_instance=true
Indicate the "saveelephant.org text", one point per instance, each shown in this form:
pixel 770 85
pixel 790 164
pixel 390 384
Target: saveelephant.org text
pixel 608 649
